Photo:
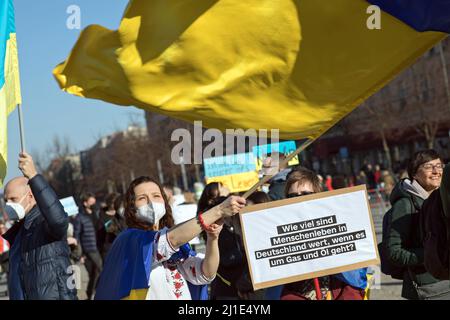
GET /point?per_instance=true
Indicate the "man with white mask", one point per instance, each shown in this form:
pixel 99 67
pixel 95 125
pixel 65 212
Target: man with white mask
pixel 39 254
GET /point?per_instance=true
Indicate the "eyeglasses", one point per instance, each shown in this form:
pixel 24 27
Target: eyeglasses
pixel 295 194
pixel 430 167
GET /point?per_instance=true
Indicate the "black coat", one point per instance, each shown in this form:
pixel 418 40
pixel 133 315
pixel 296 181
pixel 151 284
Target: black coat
pixel 231 267
pixel 41 251
pixel 84 231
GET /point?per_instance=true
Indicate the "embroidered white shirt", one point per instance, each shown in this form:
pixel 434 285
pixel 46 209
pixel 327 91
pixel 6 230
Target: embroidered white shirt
pixel 168 282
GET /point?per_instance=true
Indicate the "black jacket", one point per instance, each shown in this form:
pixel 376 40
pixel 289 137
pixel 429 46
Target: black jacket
pixel 230 267
pixel 404 242
pixel 108 227
pixel 41 253
pixel 84 231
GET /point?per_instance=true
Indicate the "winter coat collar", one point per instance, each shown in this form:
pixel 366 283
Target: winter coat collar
pixel 415 188
pixel 31 216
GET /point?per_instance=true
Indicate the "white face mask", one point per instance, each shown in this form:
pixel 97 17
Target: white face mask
pixel 15 210
pixel 152 212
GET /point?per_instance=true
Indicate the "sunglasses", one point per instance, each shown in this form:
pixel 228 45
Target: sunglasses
pixel 295 194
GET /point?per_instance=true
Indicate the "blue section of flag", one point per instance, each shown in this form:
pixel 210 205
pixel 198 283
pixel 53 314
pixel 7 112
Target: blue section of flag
pixel 356 278
pixel 7 26
pixel 422 15
pixel 128 266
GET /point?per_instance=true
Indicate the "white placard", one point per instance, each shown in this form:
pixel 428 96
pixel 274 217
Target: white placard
pixel 70 206
pixel 310 236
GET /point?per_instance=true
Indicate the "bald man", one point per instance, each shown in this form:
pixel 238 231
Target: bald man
pixel 39 255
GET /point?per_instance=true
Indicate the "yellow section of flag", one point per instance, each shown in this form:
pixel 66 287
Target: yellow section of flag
pixel 294 65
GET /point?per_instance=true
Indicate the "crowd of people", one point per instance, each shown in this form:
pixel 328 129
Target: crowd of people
pixel 376 178
pixel 133 246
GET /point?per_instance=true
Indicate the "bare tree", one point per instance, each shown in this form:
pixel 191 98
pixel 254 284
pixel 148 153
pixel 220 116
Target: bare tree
pixel 444 72
pixel 378 115
pixel 427 97
pixel 41 160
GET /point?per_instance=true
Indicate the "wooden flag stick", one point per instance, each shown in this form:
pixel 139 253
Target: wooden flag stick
pixel 282 164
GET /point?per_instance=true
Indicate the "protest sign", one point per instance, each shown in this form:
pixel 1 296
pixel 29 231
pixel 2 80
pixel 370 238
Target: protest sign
pixel 237 182
pixel 237 171
pixel 228 165
pixel 70 206
pixel 285 148
pixel 310 236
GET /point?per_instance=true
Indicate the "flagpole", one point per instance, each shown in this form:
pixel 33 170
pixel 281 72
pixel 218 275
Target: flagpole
pixel 22 133
pixel 284 163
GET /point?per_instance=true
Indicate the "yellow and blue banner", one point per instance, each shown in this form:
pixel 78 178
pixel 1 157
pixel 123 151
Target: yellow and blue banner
pixel 229 164
pixel 235 171
pixel 284 148
pixel 236 182
pixel 299 66
pixel 10 95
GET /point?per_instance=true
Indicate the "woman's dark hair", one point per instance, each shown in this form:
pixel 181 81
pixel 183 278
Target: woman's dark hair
pixel 303 175
pixel 209 195
pixel 130 208
pixel 419 159
pixel 119 202
pixel 85 196
pixel 259 197
pixel 215 202
pixel 110 200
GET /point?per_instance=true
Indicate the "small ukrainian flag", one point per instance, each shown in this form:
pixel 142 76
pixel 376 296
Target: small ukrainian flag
pixel 10 95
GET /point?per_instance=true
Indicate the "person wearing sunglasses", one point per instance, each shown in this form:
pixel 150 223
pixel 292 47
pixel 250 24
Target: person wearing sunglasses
pixel 302 182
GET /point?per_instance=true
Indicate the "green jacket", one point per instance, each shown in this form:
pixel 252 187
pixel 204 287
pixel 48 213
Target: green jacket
pixel 404 241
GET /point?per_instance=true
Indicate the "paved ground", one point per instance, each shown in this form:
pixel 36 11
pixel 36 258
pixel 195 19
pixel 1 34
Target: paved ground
pixel 389 290
pixel 385 288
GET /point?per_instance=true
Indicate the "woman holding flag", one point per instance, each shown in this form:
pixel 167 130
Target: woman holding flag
pixel 151 260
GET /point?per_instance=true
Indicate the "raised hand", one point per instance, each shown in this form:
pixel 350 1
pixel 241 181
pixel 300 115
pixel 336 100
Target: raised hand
pixel 231 206
pixel 26 165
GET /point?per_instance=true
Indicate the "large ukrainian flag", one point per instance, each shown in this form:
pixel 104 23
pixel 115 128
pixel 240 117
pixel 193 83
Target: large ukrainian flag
pixel 296 65
pixel 9 76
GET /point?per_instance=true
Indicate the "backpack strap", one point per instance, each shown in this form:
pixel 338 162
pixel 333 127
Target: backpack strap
pixel 415 212
pixel 415 205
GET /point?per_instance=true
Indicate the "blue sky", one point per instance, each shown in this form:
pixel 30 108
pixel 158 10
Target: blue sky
pixel 44 41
